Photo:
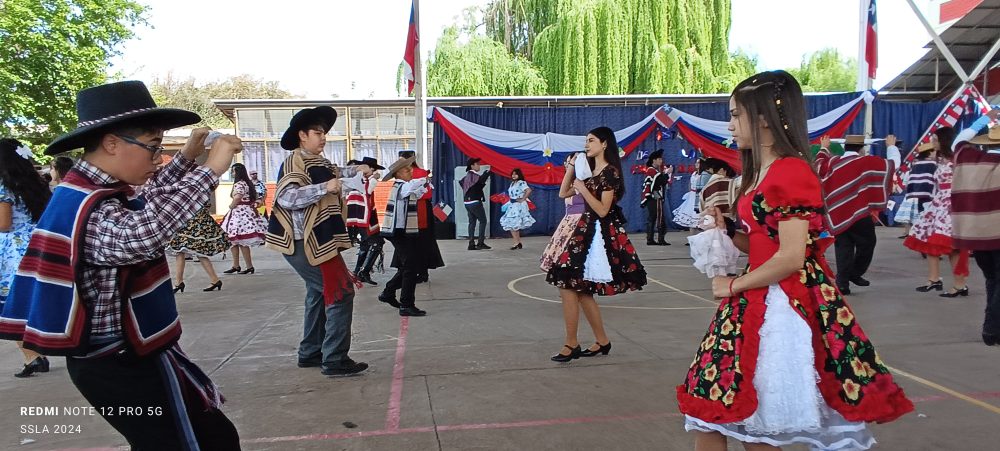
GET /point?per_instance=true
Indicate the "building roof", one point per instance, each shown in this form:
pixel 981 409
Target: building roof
pixel 968 39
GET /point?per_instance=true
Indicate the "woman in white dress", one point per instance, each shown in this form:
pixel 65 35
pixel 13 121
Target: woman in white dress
pixel 245 227
pixel 517 216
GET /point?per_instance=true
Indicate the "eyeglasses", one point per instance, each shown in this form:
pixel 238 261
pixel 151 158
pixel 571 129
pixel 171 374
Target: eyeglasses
pixel 156 151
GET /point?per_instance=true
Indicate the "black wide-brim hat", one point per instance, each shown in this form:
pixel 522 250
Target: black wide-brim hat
pixel 103 107
pixel 323 115
pixel 372 163
pixel 658 153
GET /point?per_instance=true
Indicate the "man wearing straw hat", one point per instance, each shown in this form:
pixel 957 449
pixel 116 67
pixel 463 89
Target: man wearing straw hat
pixel 95 286
pixel 402 225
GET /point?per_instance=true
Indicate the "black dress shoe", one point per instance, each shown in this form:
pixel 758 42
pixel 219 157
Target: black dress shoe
pixel 860 281
pixel 389 298
pixel 233 270
pixel 472 246
pixel 574 353
pixel 650 243
pixel 411 311
pixel 601 349
pixel 662 243
pixel 844 289
pixel 366 278
pixel 956 293
pixel 310 363
pixel 39 365
pixel 483 246
pixel 348 368
pixel 939 286
pixel 991 340
pixel 215 286
pixel 179 287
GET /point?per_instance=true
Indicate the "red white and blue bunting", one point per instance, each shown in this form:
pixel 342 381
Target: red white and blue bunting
pixel 540 155
pixel 713 139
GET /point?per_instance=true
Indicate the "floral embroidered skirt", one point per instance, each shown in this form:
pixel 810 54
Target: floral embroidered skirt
pixel 627 272
pixel 790 408
pixel 201 237
pixel 245 226
pixel 557 244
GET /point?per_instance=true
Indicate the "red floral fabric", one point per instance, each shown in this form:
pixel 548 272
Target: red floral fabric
pixel 854 381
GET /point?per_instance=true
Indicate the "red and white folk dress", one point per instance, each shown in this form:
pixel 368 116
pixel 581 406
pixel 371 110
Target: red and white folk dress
pixel 243 224
pixel 788 363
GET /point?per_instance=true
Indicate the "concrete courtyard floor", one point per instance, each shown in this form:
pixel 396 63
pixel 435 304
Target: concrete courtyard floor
pixel 475 373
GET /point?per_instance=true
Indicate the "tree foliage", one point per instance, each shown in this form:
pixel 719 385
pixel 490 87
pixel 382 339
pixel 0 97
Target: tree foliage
pixel 618 46
pixel 479 66
pixel 49 51
pixel 190 95
pixel 827 71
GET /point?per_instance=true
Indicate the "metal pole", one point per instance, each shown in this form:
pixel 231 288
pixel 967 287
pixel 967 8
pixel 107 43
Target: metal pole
pixel 940 44
pixel 862 80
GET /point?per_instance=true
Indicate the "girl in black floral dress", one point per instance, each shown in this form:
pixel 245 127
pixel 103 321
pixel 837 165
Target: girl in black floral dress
pixel 599 258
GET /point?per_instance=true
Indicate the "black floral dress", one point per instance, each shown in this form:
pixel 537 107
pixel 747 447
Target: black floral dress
pixel 627 272
pixel 201 237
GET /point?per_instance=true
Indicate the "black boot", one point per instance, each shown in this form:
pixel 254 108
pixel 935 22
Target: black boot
pixel 649 237
pixel 362 255
pixel 662 240
pixel 472 245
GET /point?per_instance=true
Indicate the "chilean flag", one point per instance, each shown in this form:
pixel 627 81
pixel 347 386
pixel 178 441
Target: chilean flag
pixel 410 54
pixel 871 40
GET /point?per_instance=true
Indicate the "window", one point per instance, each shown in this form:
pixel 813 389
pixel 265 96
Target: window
pixel 339 127
pixel 364 148
pixel 389 149
pixel 253 158
pixel 251 124
pixel 277 122
pixel 275 157
pixel 395 121
pixel 363 122
pixel 336 152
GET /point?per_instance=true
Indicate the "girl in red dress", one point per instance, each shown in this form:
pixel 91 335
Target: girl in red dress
pixel 784 360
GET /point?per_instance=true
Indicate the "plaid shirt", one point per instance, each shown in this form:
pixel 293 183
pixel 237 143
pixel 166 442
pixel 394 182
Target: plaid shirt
pixel 116 236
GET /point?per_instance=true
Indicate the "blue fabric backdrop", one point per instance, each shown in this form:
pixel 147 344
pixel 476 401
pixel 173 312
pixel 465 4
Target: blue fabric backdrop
pixel 906 120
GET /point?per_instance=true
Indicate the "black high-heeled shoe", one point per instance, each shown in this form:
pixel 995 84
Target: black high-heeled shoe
pixel 602 349
pixel 179 287
pixel 233 270
pixel 247 271
pixel 574 353
pixel 956 293
pixel 516 247
pixel 215 286
pixel 939 286
pixel 39 365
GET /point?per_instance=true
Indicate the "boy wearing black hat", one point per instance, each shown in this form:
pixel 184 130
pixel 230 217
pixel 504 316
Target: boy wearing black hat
pixel 653 193
pixel 307 226
pixel 473 184
pixel 95 285
pixel 362 219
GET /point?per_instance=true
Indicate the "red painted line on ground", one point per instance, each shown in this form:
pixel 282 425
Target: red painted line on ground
pixel 396 394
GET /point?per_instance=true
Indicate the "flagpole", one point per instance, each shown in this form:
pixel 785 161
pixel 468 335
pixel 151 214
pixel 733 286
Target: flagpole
pixel 863 82
pixel 419 92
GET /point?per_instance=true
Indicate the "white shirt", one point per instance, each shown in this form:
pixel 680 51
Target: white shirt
pixel 892 154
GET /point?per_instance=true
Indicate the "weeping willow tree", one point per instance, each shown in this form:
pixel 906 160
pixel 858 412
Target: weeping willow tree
pixel 618 46
pixel 479 67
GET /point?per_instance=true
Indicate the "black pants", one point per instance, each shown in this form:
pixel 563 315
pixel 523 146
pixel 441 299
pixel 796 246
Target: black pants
pixel 476 213
pixel 989 262
pixel 115 383
pixel 855 248
pixel 409 271
pixel 656 220
pixel 369 249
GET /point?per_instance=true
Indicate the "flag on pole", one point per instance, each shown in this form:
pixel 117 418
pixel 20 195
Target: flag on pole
pixel 409 55
pixel 871 40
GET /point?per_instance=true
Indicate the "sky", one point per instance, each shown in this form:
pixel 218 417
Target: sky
pixel 351 49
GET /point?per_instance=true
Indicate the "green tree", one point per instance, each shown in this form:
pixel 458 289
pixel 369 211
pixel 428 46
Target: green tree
pixel 827 71
pixel 641 46
pixel 741 66
pixel 479 67
pixel 49 51
pixel 190 95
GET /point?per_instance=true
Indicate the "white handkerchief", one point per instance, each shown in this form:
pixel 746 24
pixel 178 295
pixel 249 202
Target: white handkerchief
pixel 582 167
pixel 212 136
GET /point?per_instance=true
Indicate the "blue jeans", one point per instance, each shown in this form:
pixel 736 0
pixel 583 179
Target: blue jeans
pixel 326 329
